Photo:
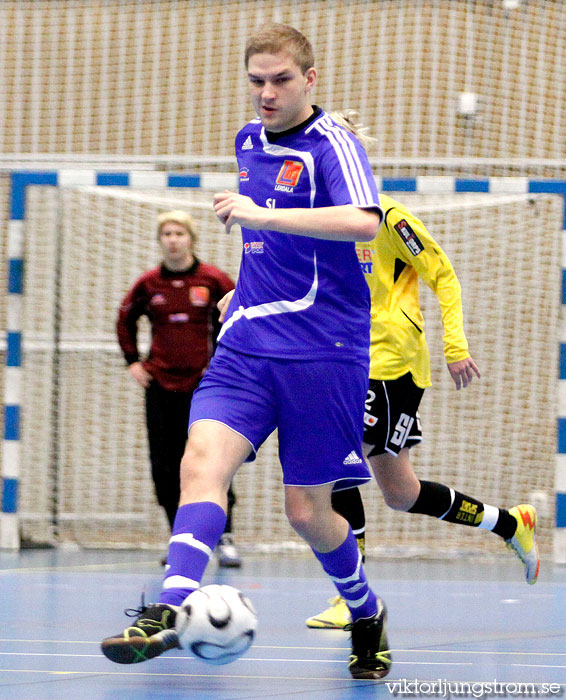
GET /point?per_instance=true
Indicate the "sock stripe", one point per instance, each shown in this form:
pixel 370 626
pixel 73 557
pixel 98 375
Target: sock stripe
pixel 356 603
pixel 354 577
pixel 189 539
pixel 355 588
pixel 490 517
pixel 452 497
pixel 177 581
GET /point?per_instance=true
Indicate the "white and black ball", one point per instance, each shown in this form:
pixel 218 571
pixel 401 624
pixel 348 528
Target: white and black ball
pixel 217 623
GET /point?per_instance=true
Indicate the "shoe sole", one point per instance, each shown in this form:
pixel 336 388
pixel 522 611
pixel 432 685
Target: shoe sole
pixel 318 623
pixel 134 650
pixel 364 674
pixel 321 625
pixel 230 564
pixel 534 579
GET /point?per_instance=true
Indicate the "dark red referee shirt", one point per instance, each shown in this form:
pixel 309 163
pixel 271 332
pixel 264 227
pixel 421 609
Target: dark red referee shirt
pixel 181 307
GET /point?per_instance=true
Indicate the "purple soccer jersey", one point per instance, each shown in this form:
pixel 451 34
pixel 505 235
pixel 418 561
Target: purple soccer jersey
pixel 293 353
pixel 300 297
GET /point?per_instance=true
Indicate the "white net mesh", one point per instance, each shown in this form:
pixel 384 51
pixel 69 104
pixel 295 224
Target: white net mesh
pixel 166 77
pixel 85 464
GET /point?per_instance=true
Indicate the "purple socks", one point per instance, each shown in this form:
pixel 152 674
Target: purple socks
pixel 196 532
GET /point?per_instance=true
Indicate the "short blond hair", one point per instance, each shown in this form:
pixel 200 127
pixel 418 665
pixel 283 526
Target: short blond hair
pixel 273 38
pixel 180 217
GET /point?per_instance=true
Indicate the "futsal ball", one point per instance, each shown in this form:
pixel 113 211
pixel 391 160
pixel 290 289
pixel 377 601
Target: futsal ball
pixel 217 623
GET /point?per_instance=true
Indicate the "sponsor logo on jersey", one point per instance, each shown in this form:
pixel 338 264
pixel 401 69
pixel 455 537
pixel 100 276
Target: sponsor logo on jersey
pixel 409 237
pixel 248 144
pixel 352 458
pixel 365 259
pixel 244 175
pixel 289 175
pixel 158 299
pixel 199 296
pixel 180 317
pixel 253 247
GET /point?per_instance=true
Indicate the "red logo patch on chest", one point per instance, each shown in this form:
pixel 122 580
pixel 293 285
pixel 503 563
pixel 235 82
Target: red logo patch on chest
pixel 290 173
pixel 199 296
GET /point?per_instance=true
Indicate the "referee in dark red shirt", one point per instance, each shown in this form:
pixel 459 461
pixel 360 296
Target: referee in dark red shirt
pixel 179 298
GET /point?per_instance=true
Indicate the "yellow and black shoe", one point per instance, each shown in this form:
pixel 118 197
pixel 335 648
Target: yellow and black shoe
pixel 336 617
pixel 524 541
pixel 371 657
pixel 151 635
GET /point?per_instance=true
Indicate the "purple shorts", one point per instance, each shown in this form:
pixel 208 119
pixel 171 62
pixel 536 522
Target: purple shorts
pixel 317 407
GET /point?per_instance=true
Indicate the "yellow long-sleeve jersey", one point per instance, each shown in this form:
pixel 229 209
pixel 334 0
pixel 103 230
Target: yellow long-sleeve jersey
pixel 403 251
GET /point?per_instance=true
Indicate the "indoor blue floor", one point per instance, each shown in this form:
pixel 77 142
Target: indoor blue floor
pixel 461 620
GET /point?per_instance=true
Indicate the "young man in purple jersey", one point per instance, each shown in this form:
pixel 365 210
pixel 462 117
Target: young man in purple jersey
pixel 293 353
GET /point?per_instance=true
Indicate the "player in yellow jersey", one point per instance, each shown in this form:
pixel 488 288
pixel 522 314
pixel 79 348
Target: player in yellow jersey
pixel 402 252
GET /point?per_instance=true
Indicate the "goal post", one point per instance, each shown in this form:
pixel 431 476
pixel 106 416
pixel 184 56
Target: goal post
pixel 75 464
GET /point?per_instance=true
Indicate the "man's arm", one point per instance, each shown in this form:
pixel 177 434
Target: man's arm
pixel 435 269
pixel 339 223
pixel 223 305
pixel 462 372
pixel 127 328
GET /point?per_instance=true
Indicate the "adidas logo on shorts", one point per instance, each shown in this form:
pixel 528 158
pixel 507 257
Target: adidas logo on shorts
pixel 352 458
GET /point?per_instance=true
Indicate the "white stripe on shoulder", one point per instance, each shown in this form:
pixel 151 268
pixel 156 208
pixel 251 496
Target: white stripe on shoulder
pixel 342 140
pixel 349 160
pixel 348 142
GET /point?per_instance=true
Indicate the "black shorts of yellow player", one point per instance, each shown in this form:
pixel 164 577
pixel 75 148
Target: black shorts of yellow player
pixel 391 417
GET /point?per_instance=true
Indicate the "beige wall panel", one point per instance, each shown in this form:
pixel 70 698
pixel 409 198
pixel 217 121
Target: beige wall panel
pixel 166 77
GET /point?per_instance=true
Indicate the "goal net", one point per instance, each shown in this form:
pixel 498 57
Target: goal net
pixel 468 81
pixel 85 468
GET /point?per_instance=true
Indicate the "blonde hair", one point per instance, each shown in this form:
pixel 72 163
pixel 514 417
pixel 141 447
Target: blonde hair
pixel 179 217
pixel 347 119
pixel 273 38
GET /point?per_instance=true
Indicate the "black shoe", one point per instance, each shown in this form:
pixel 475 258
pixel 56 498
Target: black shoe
pixel 151 635
pixel 228 557
pixel 370 657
